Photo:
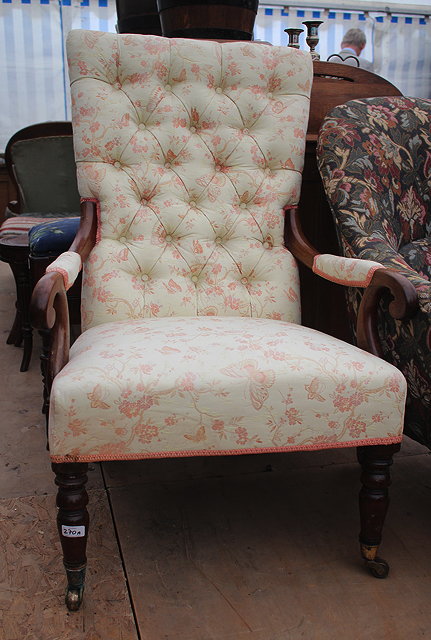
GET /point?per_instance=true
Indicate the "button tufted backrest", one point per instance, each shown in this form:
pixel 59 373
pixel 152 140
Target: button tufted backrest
pixel 192 149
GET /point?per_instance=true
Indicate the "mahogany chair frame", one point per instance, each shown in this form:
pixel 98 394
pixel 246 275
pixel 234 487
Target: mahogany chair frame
pixel 50 314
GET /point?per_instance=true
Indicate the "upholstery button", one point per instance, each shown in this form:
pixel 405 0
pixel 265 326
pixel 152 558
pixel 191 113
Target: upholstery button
pixel 243 205
pixel 244 280
pixel 269 94
pixel 194 278
pixel 145 277
pixel 219 240
pixel 142 126
pixel 265 245
pixel 192 129
pixel 168 238
pixel 245 130
pixel 117 165
pixel 219 90
pixel 168 87
pixel 267 170
pixel 218 167
pixel 192 203
pixel 167 165
pixel 123 239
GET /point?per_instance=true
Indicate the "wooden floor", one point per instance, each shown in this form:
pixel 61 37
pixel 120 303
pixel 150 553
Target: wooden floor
pixel 241 548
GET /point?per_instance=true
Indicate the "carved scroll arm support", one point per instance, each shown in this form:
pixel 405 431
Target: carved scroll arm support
pixel 375 279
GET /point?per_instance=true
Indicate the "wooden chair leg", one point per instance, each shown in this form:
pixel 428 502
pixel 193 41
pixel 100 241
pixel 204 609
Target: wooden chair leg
pixel 373 502
pixel 72 522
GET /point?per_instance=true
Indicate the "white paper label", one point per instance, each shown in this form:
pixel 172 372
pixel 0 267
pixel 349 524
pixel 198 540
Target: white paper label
pixel 73 532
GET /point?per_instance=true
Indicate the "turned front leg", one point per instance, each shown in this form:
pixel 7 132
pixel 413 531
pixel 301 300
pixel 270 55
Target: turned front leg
pixel 374 501
pixel 72 522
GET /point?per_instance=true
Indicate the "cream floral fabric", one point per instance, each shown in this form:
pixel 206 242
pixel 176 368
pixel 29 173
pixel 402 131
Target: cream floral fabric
pixel 68 264
pixel 205 386
pixel 349 271
pixel 193 148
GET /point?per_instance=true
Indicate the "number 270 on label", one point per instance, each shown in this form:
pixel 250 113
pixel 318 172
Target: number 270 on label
pixel 73 532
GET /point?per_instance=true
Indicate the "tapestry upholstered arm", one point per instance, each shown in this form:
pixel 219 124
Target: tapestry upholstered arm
pixel 49 309
pixel 375 278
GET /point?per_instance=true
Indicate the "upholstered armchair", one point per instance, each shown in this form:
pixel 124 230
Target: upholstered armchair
pixel 189 158
pixel 374 157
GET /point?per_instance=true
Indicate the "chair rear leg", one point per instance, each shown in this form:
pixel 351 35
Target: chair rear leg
pixel 373 502
pixel 72 522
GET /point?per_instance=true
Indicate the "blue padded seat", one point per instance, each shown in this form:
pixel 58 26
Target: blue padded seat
pixel 52 238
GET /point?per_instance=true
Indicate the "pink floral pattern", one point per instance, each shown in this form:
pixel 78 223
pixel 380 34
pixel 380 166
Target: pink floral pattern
pixel 192 150
pixel 68 264
pixel 348 271
pixel 205 386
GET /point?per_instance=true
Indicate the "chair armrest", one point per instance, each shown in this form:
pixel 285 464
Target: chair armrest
pixel 49 312
pixel 391 259
pixel 404 305
pixel 48 308
pixel 351 272
pixel 68 265
pixel 372 276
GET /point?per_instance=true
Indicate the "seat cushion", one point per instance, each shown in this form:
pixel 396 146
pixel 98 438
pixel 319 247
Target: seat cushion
pixel 208 385
pixel 52 238
pixel 23 224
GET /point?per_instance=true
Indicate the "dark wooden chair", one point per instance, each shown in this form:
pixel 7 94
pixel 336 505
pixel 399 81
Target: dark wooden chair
pixel 40 163
pixel 192 342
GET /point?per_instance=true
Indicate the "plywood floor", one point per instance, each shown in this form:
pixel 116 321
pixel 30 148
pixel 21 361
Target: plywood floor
pixel 247 548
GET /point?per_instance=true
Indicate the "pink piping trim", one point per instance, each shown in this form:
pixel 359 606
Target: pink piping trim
pixel 228 452
pixel 348 283
pixel 290 207
pixel 97 203
pixel 62 272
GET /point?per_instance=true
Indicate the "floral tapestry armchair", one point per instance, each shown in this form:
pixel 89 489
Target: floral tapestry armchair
pixel 189 158
pixel 374 157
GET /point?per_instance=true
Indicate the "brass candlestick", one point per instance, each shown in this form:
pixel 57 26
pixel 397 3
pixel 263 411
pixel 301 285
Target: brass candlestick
pixel 312 38
pixel 293 37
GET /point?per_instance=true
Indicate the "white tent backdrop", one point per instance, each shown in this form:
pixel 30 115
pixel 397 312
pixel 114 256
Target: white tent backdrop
pixel 33 73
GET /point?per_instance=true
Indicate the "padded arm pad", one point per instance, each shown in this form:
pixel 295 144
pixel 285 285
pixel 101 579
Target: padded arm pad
pixel 68 264
pixel 352 272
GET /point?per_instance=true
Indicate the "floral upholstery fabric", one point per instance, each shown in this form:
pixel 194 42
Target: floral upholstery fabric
pixel 68 265
pixel 192 149
pixel 374 156
pixel 206 386
pixel 349 271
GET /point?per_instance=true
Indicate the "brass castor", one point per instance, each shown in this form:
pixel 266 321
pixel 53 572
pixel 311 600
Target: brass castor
pixel 378 568
pixel 75 588
pixel 73 598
